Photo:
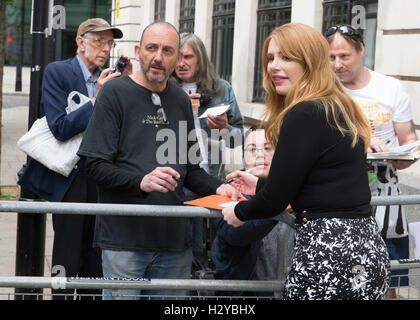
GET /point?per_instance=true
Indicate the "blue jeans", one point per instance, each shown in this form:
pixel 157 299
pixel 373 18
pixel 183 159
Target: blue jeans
pixel 145 264
pixel 398 248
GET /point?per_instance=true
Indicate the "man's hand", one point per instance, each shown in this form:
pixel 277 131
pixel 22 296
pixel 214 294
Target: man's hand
pixel 406 134
pixel 161 179
pixel 401 164
pixel 377 145
pixel 218 122
pixel 129 68
pixel 195 100
pixel 105 76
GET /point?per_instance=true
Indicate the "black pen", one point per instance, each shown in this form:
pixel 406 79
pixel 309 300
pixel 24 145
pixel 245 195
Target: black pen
pixel 227 181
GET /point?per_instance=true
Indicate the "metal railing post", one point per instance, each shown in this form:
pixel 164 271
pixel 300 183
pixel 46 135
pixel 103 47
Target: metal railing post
pixel 282 256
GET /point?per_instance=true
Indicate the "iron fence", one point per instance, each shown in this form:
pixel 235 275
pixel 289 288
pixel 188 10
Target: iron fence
pixel 274 286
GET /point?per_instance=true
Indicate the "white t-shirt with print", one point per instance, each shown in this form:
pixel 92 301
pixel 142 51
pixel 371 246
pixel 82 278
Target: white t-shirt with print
pixel 383 101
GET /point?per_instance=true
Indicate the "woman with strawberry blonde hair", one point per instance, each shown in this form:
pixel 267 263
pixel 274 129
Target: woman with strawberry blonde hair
pixel 319 167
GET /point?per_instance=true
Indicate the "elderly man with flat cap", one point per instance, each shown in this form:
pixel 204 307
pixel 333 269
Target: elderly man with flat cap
pixel 73 253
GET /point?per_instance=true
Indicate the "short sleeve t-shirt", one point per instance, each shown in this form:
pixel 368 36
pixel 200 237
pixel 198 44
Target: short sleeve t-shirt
pixel 383 101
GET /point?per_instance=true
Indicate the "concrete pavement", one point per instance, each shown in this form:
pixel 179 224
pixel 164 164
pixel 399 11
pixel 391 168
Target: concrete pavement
pixel 14 125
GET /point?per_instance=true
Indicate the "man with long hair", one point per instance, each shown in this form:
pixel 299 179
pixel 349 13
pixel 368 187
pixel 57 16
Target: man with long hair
pixel 195 73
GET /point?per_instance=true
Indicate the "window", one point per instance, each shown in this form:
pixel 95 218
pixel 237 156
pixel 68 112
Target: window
pixel 340 12
pixel 271 14
pixel 160 6
pixel 222 37
pixel 61 45
pixel 186 16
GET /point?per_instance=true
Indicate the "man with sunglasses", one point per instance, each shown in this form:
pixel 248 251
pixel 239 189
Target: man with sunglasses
pixel 387 107
pixel 73 252
pixel 136 117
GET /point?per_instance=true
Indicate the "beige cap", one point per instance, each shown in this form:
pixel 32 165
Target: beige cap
pixel 97 25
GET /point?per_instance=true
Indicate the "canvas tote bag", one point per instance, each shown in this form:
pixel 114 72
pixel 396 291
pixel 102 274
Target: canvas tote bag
pixel 40 144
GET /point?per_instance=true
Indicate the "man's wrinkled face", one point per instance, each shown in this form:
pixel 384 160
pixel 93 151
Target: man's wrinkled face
pixel 187 65
pixel 96 47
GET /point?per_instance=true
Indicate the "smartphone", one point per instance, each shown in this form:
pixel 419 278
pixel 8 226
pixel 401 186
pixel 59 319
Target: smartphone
pixel 121 64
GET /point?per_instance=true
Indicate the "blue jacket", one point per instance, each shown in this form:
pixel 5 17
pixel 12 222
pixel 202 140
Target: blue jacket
pixel 60 78
pixel 234 251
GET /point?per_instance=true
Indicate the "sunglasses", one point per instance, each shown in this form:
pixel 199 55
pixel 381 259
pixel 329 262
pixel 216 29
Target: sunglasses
pixel 160 112
pixel 345 31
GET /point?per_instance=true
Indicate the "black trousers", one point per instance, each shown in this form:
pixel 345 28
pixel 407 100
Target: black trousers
pixel 73 252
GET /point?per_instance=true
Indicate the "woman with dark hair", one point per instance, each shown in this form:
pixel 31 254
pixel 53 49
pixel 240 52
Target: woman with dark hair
pixel 339 253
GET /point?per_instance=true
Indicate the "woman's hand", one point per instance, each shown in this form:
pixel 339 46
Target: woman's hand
pixel 243 182
pixel 229 191
pixel 230 217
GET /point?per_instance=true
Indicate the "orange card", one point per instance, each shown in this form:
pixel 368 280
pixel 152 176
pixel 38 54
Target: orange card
pixel 215 202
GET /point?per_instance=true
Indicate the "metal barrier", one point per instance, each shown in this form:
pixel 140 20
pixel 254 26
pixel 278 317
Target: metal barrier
pixel 151 210
pixel 412 291
pixel 139 284
pixel 275 286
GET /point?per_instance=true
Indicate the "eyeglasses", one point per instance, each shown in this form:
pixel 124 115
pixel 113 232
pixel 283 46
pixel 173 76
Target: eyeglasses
pixel 346 31
pixel 160 112
pixel 251 150
pixel 99 42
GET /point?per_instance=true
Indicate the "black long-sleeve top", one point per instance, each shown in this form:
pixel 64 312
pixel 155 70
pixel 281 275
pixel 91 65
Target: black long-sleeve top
pixel 314 168
pixel 125 140
pixel 105 173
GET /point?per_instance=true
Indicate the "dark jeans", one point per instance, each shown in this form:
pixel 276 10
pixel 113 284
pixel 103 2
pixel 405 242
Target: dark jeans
pixel 73 236
pixel 398 248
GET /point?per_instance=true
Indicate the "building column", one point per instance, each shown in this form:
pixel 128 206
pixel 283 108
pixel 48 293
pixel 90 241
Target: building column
pixel 132 17
pixel 203 22
pixel 245 37
pixel 308 12
pixel 172 12
pixel 397 48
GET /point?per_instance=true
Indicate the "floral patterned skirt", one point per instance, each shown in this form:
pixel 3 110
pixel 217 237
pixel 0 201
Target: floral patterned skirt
pixel 338 259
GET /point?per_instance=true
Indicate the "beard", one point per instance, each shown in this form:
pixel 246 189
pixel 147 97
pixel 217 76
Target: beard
pixel 155 79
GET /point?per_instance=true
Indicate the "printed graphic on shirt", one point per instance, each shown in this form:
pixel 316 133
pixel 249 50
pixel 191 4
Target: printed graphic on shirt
pixel 375 114
pixel 153 120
